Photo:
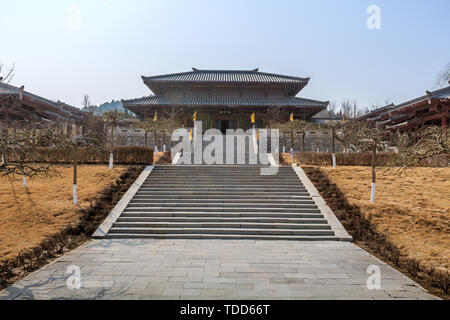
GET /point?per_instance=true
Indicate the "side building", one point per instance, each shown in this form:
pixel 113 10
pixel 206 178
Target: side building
pixel 16 104
pixel 433 108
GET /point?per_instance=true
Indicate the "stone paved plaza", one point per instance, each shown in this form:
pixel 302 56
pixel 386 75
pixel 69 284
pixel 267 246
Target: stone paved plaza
pixel 215 269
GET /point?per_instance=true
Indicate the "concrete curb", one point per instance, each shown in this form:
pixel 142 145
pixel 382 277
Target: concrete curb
pixel 115 213
pixel 328 214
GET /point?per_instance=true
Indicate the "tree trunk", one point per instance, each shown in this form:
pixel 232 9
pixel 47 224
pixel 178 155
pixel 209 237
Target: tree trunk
pixel 334 149
pixel 75 164
pixel 111 155
pixel 303 140
pixel 292 140
pixel 374 155
pixel 145 139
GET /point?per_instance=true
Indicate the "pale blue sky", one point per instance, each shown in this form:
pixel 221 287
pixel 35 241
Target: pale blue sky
pixel 118 41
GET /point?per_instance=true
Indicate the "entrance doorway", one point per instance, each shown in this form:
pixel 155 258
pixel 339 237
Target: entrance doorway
pixel 223 125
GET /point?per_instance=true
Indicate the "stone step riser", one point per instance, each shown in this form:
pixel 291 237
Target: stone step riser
pixel 200 188
pixel 222 237
pixel 225 220
pixel 227 176
pixel 225 194
pixel 150 199
pixel 152 182
pixel 314 215
pixel 222 231
pixel 222 209
pixel 198 225
pixel 171 203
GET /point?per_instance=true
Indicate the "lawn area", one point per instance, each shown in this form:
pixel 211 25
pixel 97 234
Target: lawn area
pixel 29 215
pixel 412 209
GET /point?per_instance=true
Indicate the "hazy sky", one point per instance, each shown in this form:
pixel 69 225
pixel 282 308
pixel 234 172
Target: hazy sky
pixel 113 43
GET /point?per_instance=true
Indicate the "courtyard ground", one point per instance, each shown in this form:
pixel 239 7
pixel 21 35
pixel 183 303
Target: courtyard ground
pixel 412 209
pixel 215 269
pixel 29 215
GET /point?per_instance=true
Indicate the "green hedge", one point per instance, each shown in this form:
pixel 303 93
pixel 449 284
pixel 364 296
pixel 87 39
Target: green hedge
pixel 122 155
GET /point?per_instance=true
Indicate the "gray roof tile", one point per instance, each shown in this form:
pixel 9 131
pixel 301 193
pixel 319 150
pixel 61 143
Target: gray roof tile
pixel 227 101
pixel 231 76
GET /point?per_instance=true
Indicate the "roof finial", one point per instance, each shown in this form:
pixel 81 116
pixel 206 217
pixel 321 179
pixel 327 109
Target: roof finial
pixel 21 92
pixel 256 70
pixel 429 96
pixel 194 69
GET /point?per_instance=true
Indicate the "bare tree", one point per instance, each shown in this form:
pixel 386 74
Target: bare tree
pixel 6 73
pixel 148 125
pixel 74 147
pixel 19 150
pixel 443 77
pixel 86 102
pixel 112 120
pixel 275 115
pixel 431 141
pixel 373 140
pixel 333 108
pixel 346 107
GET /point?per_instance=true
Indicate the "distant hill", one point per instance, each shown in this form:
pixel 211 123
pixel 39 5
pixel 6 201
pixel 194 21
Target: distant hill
pixel 109 106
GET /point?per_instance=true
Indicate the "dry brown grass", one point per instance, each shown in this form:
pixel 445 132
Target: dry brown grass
pixel 28 216
pixel 413 209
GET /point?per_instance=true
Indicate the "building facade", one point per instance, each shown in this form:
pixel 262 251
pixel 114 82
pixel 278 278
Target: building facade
pixel 224 99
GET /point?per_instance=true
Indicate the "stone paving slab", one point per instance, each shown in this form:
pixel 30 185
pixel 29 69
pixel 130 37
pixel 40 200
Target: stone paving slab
pixel 215 269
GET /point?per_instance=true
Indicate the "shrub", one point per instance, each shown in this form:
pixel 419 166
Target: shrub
pixel 360 159
pixel 122 155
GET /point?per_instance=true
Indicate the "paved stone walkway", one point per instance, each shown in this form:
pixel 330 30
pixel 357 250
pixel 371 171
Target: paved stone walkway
pixel 216 269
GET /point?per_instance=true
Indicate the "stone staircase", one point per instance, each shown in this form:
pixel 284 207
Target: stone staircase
pixel 221 202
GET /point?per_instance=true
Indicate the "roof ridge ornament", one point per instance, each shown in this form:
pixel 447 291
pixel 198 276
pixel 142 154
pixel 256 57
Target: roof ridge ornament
pixel 256 70
pixel 429 96
pixel 194 69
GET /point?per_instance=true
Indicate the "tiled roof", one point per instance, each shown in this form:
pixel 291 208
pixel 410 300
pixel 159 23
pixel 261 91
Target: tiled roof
pixel 226 76
pixel 443 93
pixel 57 109
pixel 227 101
pixel 9 89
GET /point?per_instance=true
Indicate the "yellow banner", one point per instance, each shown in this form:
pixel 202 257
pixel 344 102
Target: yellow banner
pixel 155 118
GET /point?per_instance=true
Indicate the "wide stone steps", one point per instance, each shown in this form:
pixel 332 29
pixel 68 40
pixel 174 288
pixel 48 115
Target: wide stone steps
pixel 222 202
